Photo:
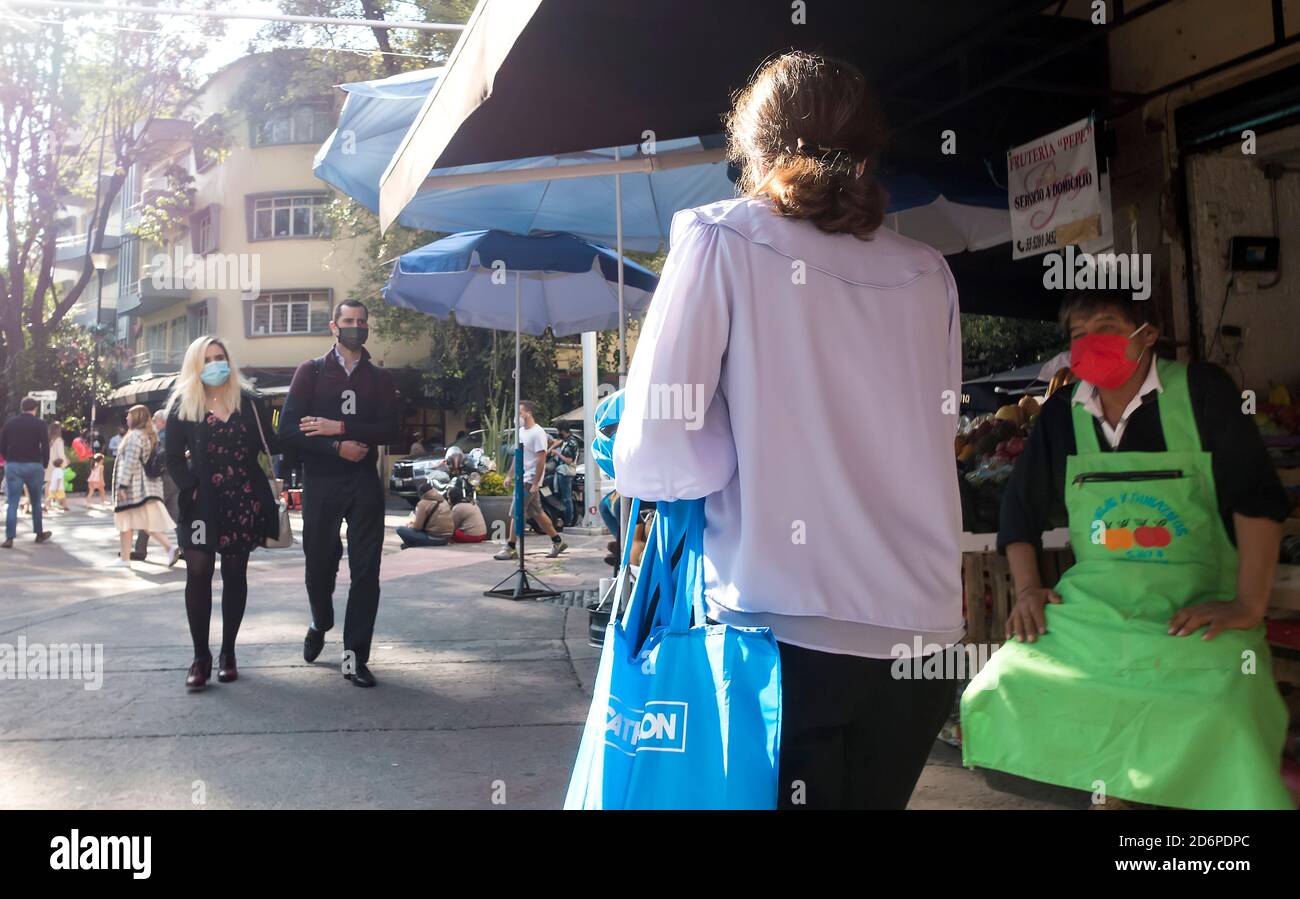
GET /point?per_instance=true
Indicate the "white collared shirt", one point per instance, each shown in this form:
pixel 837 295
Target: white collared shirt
pixel 1090 398
pixel 343 363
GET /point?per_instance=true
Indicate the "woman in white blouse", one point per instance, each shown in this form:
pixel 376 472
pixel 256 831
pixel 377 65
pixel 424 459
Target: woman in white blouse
pixel 800 367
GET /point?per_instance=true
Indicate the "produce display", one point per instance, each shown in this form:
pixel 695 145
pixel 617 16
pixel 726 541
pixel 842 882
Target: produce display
pixel 987 447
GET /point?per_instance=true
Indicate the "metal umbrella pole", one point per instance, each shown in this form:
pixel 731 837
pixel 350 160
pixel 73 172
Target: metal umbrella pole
pixel 625 525
pixel 519 585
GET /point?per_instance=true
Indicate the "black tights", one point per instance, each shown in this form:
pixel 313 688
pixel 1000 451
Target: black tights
pixel 199 566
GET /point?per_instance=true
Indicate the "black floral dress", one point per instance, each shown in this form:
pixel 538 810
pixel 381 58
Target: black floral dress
pixel 238 510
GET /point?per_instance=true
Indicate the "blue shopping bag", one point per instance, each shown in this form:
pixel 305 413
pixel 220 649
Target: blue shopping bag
pixel 684 715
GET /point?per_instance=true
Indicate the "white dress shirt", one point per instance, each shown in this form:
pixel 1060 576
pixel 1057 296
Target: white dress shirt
pixel 1089 397
pixel 805 383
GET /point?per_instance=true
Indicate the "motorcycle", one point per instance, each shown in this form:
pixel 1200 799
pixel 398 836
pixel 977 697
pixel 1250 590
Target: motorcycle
pixel 552 505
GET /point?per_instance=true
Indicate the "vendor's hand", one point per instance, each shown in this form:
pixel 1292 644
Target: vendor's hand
pixel 1028 621
pixel 320 427
pixel 1219 616
pixel 353 451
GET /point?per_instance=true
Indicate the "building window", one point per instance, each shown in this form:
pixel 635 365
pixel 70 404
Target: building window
pixel 198 321
pixel 291 312
pixel 289 215
pixel 307 123
pixel 205 230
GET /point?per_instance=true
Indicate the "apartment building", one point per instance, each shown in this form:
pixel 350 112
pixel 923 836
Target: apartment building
pixel 257 264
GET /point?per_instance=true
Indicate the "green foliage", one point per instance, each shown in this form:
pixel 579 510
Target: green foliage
pixel 994 343
pixel 164 216
pixel 493 484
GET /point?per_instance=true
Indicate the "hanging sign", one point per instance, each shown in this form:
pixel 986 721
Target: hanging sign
pixel 1054 191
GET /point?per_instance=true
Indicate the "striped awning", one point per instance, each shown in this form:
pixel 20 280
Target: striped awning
pixel 149 390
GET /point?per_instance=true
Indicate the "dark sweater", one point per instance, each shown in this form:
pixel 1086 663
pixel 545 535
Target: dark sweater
pixel 1245 480
pixel 25 438
pixel 366 402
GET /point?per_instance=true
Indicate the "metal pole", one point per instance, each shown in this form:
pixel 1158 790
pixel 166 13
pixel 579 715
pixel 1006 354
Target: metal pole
pixel 625 525
pixel 591 492
pixel 520 524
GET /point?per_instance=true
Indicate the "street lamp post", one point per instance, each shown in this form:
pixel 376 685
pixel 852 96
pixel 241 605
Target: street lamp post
pixel 100 262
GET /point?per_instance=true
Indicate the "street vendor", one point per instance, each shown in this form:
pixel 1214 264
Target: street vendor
pixel 1144 674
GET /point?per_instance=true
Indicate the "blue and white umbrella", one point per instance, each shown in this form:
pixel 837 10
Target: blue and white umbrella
pixel 559 282
pixel 495 279
pixel 519 195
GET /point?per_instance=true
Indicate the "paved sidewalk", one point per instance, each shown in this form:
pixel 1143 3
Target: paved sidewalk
pixel 476 695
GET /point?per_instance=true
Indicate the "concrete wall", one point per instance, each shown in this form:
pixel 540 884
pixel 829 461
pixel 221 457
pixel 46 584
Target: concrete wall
pixel 1176 42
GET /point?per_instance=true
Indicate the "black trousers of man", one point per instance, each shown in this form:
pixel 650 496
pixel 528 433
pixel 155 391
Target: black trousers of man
pixel 852 735
pixel 327 502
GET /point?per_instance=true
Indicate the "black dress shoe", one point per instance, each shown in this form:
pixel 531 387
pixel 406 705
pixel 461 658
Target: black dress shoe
pixel 361 677
pixel 312 644
pixel 138 557
pixel 43 536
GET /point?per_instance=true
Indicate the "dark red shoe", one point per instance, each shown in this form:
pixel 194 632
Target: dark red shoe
pixel 200 671
pixel 226 670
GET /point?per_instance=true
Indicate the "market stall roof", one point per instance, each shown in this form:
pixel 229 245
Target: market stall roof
pixel 515 87
pixel 150 390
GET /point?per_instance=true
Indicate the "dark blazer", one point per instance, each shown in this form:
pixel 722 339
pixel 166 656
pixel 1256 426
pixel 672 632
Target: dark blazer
pixel 373 416
pixel 196 499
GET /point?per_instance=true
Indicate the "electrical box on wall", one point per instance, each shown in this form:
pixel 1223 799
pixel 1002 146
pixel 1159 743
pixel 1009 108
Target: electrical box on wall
pixel 1254 254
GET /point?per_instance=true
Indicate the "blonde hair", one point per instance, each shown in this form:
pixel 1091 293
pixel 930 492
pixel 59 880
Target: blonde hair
pixel 188 398
pixel 807 132
pixel 139 418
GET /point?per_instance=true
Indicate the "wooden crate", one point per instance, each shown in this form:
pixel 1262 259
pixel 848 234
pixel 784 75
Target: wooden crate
pixel 989 591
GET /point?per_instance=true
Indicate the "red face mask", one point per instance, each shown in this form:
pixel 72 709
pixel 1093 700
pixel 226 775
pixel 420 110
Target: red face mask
pixel 1102 359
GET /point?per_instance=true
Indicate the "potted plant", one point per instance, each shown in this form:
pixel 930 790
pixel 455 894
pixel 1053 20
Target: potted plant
pixel 494 500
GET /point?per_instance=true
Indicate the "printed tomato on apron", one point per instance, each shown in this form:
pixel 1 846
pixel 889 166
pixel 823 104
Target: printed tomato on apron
pixel 1107 699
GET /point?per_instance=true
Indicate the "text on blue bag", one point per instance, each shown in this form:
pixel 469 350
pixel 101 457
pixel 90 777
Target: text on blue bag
pixel 659 727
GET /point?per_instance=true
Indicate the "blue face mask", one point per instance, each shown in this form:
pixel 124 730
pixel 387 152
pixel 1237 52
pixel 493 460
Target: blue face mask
pixel 215 374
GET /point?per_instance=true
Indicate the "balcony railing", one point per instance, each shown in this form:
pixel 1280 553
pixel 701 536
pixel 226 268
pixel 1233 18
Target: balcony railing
pixel 150 363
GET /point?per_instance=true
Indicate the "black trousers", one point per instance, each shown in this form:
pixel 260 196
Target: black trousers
pixel 852 735
pixel 327 502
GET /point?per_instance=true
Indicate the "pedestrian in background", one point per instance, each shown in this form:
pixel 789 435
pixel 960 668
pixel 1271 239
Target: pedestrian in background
pixel 54 469
pixel 169 489
pixel 138 493
pixel 216 427
pixel 25 447
pixel 95 481
pixel 115 442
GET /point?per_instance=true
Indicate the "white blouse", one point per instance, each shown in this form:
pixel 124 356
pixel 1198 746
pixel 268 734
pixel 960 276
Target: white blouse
pixel 807 385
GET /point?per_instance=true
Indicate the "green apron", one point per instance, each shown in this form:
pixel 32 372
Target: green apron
pixel 1107 695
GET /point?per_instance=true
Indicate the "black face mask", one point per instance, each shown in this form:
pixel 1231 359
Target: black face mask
pixel 353 338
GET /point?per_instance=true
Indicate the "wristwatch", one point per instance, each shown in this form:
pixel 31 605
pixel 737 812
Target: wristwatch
pixel 336 446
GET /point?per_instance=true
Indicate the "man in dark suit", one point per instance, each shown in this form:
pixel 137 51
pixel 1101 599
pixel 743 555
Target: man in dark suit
pixel 341 408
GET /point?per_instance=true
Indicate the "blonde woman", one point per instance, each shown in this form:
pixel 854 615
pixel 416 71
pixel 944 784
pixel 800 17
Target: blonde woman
pixel 139 495
pixel 216 426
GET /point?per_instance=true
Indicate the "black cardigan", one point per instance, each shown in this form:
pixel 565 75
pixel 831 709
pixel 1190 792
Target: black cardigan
pixel 187 463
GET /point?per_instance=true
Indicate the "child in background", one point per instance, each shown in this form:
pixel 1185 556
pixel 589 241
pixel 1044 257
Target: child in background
pixel 55 493
pixel 95 483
